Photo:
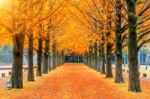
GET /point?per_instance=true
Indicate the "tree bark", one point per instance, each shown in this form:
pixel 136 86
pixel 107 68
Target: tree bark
pixel 39 57
pixel 90 58
pixel 54 56
pixel 49 62
pixel 87 59
pixel 118 42
pixel 109 64
pixel 134 81
pixel 102 60
pixel 99 59
pixel 51 59
pixel 30 59
pixel 17 66
pixel 95 57
pixel 46 55
pixel 58 58
pixel 62 57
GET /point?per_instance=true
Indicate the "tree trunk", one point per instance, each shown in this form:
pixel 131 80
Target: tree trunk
pixel 109 64
pixel 39 57
pixel 87 59
pixel 99 59
pixel 118 42
pixel 51 59
pixel 46 55
pixel 30 58
pixel 134 81
pixel 95 56
pixel 62 57
pixel 49 62
pixel 90 60
pixel 102 60
pixel 58 58
pixel 17 66
pixel 54 56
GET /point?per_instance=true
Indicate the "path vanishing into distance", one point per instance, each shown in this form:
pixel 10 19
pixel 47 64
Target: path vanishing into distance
pixel 72 81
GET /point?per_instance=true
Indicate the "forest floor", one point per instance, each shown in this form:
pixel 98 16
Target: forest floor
pixel 75 81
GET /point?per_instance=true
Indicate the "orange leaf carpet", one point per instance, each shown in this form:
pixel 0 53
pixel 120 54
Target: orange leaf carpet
pixel 74 81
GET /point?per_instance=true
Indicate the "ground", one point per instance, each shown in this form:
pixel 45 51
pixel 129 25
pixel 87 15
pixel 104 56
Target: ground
pixel 75 81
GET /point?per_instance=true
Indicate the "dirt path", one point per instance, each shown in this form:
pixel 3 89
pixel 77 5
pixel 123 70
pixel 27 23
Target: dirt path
pixel 72 81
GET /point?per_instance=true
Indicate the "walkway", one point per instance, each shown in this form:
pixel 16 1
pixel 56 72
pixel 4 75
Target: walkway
pixel 72 81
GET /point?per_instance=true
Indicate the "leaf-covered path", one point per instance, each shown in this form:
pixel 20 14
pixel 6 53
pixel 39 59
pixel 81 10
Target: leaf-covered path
pixel 72 81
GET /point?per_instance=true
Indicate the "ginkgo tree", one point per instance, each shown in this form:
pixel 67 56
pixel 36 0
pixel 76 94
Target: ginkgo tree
pixel 22 22
pixel 119 24
pixel 96 29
